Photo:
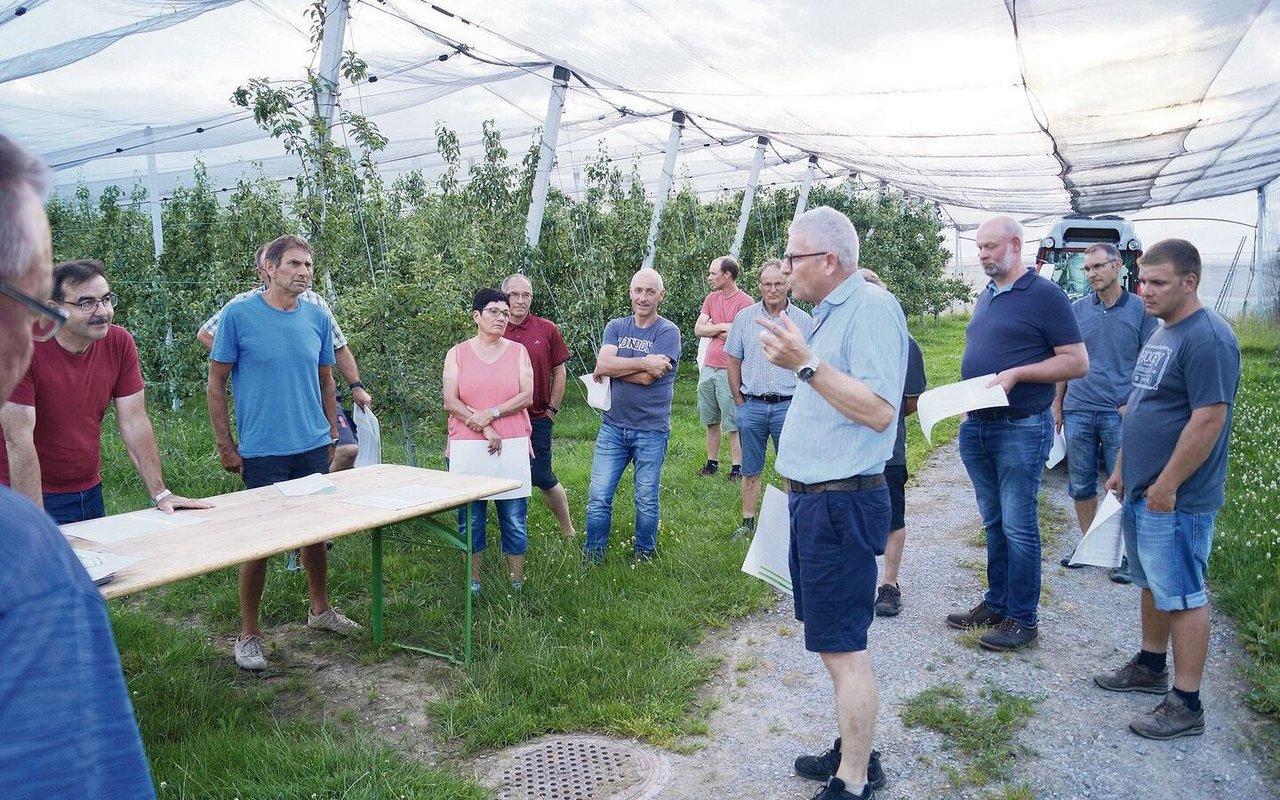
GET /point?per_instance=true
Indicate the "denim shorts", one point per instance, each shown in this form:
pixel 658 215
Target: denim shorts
pixel 513 523
pixel 896 476
pixel 540 465
pixel 715 402
pixel 1169 553
pixel 835 538
pixel 1088 434
pixel 759 421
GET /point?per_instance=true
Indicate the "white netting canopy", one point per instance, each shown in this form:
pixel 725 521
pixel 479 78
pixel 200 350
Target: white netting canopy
pixel 1037 108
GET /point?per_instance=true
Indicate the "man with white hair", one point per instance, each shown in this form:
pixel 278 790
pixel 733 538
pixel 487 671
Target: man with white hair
pixel 639 356
pixel 69 729
pixel 837 437
pixel 1024 332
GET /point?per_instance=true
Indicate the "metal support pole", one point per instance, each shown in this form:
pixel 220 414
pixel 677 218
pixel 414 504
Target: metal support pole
pixel 664 186
pixel 546 156
pixel 153 189
pixel 1263 264
pixel 802 204
pixel 749 196
pixel 335 30
pixel 853 186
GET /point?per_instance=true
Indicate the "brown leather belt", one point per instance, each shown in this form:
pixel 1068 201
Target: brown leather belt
pixel 858 483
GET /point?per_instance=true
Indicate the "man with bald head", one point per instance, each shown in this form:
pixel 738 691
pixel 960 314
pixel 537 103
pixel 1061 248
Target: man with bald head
pixel 69 729
pixel 1024 333
pixel 547 350
pixel 639 356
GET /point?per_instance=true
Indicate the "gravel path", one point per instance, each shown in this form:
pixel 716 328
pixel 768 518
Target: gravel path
pixel 774 699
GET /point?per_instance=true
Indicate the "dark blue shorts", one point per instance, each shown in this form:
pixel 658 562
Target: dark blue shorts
pixel 266 470
pixel 540 464
pixel 835 538
pixel 346 428
pixel 896 476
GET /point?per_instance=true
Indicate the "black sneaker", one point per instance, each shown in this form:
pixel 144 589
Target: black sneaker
pixel 643 556
pixel 888 601
pixel 1009 635
pixel 835 790
pixel 977 617
pixel 819 768
pixel 735 474
pixel 1066 561
pixel 1121 574
pixel 708 470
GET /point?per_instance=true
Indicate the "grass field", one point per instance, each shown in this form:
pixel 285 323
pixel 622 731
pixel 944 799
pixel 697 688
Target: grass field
pixel 613 649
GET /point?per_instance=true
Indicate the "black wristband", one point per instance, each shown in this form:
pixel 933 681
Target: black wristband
pixel 552 408
pixel 357 385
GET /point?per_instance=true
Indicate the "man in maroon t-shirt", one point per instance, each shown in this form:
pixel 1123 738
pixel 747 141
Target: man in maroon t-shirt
pixel 715 401
pixel 51 449
pixel 548 353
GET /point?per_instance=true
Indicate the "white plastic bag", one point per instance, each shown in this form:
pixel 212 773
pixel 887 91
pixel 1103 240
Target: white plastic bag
pixel 368 436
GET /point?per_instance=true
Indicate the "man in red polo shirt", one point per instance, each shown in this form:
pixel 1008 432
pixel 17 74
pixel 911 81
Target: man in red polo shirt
pixel 52 422
pixel 548 353
pixel 716 408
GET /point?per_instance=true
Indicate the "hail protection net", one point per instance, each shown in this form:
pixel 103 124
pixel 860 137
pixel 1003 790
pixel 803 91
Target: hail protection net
pixel 1037 108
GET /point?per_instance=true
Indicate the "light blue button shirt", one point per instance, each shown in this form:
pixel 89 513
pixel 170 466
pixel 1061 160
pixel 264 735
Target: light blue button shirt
pixel 758 375
pixel 860 331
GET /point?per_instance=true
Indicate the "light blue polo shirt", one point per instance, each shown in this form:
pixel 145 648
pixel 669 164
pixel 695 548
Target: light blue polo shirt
pixel 859 330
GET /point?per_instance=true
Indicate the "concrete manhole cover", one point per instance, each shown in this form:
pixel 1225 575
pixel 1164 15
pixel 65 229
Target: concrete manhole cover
pixel 578 768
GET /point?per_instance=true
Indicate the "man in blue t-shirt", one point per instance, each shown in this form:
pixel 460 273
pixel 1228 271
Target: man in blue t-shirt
pixel 1088 410
pixel 278 352
pixel 1172 472
pixel 1024 333
pixel 639 356
pixel 66 725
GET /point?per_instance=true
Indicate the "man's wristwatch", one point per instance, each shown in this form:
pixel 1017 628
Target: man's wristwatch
pixel 496 412
pixel 162 494
pixel 805 373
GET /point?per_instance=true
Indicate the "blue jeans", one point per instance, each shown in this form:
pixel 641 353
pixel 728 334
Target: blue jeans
pixel 67 507
pixel 1169 553
pixel 758 421
pixel 513 521
pixel 1004 459
pixel 615 448
pixel 1088 433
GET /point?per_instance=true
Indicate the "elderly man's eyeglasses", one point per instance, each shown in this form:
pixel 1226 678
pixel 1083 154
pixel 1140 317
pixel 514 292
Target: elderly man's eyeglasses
pixel 48 320
pixel 88 305
pixel 791 260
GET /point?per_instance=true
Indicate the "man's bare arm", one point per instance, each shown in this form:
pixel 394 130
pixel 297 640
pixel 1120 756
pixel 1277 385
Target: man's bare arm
pixel 220 417
pixel 19 423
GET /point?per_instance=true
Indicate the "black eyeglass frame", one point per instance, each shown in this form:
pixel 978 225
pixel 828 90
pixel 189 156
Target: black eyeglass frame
pixel 38 308
pixel 791 260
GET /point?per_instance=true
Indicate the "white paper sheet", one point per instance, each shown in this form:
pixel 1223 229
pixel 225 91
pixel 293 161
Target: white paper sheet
pixel 1058 451
pixel 403 497
pixel 598 394
pixel 704 344
pixel 119 527
pixel 102 567
pixel 314 483
pixel 1103 543
pixel 768 557
pixel 471 457
pixel 957 398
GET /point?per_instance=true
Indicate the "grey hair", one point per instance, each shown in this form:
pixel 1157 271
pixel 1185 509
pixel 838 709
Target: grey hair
pixel 830 231
pixel 22 175
pixel 1106 248
pixel 650 271
pixel 506 282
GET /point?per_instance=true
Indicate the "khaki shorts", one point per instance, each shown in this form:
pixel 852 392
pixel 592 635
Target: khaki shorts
pixel 715 403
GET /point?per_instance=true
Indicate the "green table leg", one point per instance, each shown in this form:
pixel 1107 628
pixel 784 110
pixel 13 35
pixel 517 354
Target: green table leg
pixel 377 584
pixel 466 634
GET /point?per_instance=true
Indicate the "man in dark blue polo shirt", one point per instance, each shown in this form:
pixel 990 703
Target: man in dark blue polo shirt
pixel 1024 333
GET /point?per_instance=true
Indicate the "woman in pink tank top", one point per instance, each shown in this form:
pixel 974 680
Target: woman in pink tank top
pixel 488 385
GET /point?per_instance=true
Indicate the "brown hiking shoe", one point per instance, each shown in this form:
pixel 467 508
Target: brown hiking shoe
pixel 1009 634
pixel 1133 677
pixel 978 617
pixel 1169 720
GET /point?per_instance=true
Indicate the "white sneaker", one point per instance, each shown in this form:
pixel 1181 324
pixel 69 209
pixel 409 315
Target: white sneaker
pixel 249 653
pixel 331 620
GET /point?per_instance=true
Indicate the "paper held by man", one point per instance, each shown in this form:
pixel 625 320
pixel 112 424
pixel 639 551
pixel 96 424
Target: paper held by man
pixel 958 398
pixel 1103 543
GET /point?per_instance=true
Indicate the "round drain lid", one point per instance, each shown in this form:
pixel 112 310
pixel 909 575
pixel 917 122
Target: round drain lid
pixel 577 768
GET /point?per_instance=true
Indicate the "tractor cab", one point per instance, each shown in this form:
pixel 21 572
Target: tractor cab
pixel 1061 254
